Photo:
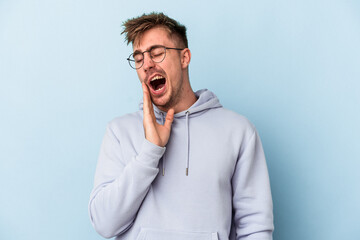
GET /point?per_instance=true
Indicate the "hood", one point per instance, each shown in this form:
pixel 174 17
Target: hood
pixel 206 100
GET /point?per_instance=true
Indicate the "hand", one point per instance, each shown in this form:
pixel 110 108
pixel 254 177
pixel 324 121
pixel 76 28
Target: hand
pixel 154 132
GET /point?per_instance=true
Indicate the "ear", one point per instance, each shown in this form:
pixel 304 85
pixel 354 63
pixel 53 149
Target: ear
pixel 185 57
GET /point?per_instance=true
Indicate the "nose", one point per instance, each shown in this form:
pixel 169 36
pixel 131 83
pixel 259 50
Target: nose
pixel 148 62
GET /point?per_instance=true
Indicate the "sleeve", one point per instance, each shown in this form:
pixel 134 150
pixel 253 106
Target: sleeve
pixel 120 188
pixel 252 202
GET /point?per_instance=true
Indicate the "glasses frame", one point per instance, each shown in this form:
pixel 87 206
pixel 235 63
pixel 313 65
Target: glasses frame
pixel 151 57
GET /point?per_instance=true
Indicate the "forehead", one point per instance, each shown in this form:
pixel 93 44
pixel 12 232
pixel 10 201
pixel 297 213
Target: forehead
pixel 153 36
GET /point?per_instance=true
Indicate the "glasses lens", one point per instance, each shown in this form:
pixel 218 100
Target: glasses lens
pixel 158 54
pixel 136 60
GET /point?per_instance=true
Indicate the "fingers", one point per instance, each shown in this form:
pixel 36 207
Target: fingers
pixel 145 98
pixel 169 118
pixel 154 132
pixel 147 104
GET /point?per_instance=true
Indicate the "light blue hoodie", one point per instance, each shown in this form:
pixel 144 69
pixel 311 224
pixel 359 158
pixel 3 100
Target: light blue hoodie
pixel 213 183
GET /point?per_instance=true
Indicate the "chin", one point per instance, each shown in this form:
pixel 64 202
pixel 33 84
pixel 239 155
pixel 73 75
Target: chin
pixel 160 103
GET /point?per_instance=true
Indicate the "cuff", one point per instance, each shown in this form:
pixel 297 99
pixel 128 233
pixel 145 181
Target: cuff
pixel 150 154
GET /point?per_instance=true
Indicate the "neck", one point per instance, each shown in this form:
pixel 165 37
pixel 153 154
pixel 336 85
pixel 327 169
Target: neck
pixel 184 101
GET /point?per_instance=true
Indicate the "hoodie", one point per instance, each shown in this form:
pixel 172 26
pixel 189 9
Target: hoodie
pixel 210 181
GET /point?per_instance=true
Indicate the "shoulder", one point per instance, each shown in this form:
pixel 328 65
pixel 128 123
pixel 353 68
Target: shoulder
pixel 234 119
pixel 126 122
pixel 236 128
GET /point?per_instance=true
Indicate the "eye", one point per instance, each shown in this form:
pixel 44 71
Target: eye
pixel 157 52
pixel 138 58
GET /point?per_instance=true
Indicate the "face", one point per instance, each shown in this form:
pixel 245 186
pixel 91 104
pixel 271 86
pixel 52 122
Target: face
pixel 165 80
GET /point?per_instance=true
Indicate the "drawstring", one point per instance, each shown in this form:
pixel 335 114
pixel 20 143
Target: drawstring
pixel 163 164
pixel 163 157
pixel 187 145
pixel 187 142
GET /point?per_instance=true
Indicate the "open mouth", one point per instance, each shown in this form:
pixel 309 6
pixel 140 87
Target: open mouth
pixel 157 83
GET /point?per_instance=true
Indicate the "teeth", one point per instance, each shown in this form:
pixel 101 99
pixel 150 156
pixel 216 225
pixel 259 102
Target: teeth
pixel 156 77
pixel 159 89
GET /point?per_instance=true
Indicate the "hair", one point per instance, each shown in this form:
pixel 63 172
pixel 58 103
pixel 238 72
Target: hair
pixel 135 27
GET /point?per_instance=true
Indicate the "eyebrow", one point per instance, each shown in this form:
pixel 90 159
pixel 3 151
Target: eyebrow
pixel 149 49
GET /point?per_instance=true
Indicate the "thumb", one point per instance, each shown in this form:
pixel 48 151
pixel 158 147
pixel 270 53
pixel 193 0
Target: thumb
pixel 169 118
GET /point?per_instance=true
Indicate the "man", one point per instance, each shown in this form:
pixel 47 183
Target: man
pixel 213 182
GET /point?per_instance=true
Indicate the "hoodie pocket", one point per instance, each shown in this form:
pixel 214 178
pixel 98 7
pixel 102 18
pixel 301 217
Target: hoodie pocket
pixel 159 234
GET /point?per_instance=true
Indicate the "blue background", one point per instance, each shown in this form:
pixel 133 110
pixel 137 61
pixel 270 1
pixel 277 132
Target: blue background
pixel 291 67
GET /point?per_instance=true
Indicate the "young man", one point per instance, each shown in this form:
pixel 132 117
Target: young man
pixel 213 182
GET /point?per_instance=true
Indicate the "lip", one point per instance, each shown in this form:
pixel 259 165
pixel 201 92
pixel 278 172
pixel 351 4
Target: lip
pixel 153 92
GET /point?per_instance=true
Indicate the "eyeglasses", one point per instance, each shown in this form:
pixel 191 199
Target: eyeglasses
pixel 157 54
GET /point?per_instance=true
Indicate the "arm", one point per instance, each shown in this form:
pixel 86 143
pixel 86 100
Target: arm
pixel 120 188
pixel 252 202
